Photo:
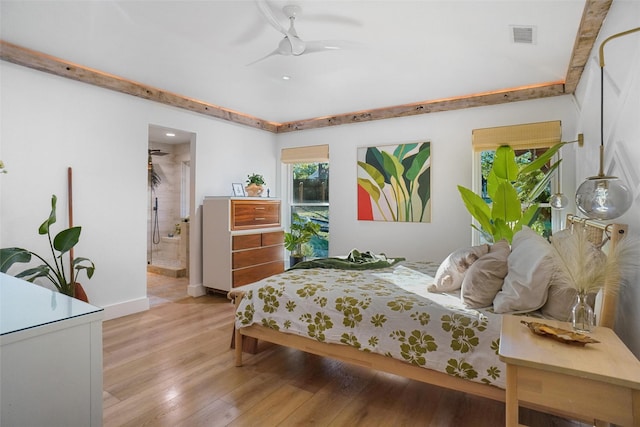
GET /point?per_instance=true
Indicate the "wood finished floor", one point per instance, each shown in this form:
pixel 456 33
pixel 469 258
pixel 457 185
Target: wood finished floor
pixel 172 366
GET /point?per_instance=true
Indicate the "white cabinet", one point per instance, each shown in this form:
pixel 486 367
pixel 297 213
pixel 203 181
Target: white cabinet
pixel 242 241
pixel 50 357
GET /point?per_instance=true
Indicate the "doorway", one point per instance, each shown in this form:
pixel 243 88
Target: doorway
pixel 169 201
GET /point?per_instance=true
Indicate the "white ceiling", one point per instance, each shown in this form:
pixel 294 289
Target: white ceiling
pixel 408 51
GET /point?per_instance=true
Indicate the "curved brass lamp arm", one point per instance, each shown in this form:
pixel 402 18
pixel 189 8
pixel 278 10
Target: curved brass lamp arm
pixel 601 54
pixel 615 36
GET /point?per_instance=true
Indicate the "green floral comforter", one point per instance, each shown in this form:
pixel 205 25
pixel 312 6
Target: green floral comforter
pixel 386 311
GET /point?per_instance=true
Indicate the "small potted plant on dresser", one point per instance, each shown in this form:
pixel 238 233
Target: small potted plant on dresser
pixel 302 230
pixel 255 184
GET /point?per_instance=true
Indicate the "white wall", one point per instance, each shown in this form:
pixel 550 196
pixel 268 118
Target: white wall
pixel 50 123
pixel 450 136
pixel 622 134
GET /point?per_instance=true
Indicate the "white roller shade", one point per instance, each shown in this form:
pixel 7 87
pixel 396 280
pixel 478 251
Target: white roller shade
pixel 310 154
pixel 531 135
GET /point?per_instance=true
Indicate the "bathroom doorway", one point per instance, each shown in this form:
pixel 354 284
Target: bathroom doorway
pixel 169 201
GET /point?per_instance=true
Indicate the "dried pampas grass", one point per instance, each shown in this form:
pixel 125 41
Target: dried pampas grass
pixel 586 268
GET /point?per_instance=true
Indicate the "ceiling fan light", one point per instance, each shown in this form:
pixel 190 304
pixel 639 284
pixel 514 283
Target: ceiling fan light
pixel 603 197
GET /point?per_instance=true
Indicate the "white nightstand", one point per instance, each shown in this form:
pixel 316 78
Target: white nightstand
pixel 596 382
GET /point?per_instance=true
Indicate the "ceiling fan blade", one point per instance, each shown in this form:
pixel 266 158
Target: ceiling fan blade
pixel 327 45
pixel 275 52
pixel 333 19
pixel 298 46
pixel 269 16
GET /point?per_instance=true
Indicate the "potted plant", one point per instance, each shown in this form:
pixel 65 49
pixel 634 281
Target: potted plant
pixel 254 185
pixel 513 190
pixel 302 230
pixel 54 271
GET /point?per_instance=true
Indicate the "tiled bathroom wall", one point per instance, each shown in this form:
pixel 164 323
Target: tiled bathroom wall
pixel 167 238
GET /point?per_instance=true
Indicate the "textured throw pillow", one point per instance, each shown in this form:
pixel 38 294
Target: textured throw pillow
pixel 485 276
pixel 530 269
pixel 451 272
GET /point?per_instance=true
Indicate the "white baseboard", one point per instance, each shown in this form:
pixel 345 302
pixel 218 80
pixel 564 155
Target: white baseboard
pixel 196 290
pixel 125 308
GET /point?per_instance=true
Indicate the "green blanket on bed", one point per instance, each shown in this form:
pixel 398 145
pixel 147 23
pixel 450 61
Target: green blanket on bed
pixel 356 260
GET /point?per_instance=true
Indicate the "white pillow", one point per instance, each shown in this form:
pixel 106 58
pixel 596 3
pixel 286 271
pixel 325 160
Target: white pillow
pixel 530 269
pixel 451 272
pixel 484 278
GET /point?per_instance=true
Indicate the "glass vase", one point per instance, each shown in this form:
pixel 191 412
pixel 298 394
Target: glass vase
pixel 582 316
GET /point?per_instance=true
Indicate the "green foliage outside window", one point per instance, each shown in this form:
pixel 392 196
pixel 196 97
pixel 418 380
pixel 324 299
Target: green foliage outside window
pixel 512 190
pixel 310 201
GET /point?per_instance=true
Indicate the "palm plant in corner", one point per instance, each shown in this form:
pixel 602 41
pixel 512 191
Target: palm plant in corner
pixel 54 270
pixel 513 190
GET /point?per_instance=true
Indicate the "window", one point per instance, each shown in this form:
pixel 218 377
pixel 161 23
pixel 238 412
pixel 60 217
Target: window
pixel 308 178
pixel 310 191
pixel 542 221
pixel 529 141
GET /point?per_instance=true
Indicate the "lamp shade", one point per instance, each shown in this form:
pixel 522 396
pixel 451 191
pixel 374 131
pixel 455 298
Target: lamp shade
pixel 603 197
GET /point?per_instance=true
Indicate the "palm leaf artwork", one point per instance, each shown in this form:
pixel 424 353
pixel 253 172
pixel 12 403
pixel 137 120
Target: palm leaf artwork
pixel 394 183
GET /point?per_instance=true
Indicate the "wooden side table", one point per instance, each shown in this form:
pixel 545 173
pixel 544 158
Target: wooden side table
pixel 598 382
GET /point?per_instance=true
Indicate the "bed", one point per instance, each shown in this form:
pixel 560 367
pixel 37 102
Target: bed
pixel 385 319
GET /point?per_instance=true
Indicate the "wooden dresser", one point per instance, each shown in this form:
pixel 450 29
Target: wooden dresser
pixel 242 242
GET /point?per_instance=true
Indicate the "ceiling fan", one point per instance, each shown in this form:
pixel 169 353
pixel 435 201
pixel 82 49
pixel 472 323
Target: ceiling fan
pixel 292 44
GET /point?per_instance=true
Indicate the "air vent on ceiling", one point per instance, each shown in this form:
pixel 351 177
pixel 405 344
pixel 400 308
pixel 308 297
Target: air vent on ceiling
pixel 523 34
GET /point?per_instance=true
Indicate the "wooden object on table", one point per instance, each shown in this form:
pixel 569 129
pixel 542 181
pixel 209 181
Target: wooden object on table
pixel 242 242
pixel 596 382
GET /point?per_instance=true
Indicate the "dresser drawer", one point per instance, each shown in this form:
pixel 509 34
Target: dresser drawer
pixel 257 256
pixel 273 238
pixel 246 241
pixel 244 276
pixel 254 214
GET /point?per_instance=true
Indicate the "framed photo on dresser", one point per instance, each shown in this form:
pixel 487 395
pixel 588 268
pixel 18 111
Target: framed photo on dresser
pixel 238 189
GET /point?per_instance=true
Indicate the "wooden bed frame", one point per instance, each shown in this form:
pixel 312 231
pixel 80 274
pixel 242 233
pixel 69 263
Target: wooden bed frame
pixel 598 233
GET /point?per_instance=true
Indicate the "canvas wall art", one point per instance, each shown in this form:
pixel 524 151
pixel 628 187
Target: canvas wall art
pixel 394 183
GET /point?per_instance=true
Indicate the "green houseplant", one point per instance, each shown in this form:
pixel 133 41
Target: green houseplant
pixel 256 179
pixel 254 184
pixel 513 190
pixel 54 270
pixel 301 232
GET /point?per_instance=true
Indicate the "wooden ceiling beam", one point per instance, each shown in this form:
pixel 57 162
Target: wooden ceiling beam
pixel 448 104
pixel 593 16
pixel 39 61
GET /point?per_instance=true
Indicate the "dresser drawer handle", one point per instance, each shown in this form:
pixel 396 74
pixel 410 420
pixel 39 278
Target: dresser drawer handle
pixel 260 218
pixel 259 209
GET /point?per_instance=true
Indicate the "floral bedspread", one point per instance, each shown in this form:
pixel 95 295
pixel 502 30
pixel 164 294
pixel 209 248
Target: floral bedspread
pixel 386 311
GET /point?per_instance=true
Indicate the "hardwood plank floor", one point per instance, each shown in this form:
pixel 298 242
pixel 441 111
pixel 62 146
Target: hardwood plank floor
pixel 172 366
